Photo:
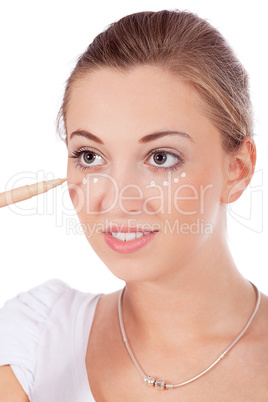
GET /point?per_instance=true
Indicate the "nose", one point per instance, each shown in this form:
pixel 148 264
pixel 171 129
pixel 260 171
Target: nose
pixel 130 199
pixel 122 194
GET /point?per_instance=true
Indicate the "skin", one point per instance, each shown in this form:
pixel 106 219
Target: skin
pixel 185 300
pixel 10 389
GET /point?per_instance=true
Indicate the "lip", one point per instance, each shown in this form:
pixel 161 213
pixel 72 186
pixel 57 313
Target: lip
pixel 126 247
pixel 126 229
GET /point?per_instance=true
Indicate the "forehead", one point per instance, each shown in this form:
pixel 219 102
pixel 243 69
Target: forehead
pixel 140 100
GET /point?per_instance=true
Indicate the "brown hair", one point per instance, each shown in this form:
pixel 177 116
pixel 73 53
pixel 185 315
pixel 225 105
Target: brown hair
pixel 181 43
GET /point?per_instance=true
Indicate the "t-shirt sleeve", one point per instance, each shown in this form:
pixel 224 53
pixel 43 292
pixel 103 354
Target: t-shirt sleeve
pixel 22 321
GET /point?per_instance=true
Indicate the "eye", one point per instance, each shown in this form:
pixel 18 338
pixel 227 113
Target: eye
pixel 87 158
pixel 164 159
pixel 91 158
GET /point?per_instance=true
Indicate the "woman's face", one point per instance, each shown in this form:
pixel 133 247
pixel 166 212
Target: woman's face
pixel 146 171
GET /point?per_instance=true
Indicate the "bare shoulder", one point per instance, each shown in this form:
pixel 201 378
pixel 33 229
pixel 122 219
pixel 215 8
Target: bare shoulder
pixel 107 304
pixel 10 388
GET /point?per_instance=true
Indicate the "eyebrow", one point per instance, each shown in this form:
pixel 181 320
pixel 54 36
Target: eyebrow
pixel 147 138
pixel 88 135
pixel 159 134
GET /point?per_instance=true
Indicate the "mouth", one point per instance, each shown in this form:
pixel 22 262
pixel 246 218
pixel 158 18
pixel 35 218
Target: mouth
pixel 126 236
pixel 128 241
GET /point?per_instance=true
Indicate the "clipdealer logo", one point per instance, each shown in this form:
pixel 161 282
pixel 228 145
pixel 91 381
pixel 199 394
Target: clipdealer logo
pixel 247 211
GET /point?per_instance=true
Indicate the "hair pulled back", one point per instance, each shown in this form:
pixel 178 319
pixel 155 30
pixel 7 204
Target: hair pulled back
pixel 181 43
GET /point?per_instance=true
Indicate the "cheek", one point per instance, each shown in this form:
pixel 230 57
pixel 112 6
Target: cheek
pixel 74 185
pixel 91 194
pixel 191 199
pixel 73 182
pixel 197 197
pixel 76 189
pixel 77 196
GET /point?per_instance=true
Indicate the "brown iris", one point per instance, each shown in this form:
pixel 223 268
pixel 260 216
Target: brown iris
pixel 88 157
pixel 160 158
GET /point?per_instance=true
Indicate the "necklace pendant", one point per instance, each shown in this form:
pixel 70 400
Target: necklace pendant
pixel 159 384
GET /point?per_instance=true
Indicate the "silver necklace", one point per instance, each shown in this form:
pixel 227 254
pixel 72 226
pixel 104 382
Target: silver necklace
pixel 160 384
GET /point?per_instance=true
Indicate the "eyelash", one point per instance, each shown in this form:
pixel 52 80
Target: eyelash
pixel 77 154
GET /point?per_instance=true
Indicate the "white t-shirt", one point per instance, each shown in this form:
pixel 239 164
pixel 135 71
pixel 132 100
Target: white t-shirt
pixel 43 336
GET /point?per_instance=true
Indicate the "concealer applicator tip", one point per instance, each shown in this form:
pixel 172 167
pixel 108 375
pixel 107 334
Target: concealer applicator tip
pixel 47 185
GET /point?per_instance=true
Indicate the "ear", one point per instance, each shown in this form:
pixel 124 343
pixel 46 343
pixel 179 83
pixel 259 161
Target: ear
pixel 240 169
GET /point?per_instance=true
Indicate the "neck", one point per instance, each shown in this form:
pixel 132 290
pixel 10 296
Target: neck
pixel 202 299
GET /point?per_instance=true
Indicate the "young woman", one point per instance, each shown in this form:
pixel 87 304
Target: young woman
pixel 157 120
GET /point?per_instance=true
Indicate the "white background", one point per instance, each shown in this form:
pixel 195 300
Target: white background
pixel 40 42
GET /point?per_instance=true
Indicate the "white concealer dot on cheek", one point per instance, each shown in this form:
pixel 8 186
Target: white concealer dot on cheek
pixel 84 180
pixel 183 174
pixel 176 180
pixel 95 180
pixel 165 183
pixel 152 183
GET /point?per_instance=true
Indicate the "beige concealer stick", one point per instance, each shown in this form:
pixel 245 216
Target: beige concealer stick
pixel 25 192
